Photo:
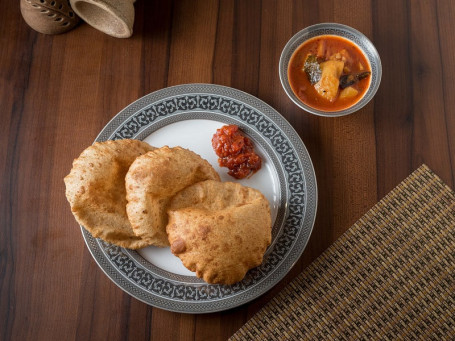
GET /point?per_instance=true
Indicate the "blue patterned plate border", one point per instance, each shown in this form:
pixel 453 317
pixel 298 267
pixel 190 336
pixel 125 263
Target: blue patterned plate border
pixel 294 222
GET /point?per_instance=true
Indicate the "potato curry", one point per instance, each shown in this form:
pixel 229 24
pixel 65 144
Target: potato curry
pixel 329 73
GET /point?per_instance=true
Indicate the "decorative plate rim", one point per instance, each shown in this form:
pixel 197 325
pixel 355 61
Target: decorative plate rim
pixel 254 106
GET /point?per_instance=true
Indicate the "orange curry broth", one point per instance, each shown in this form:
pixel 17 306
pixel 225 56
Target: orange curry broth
pixel 302 87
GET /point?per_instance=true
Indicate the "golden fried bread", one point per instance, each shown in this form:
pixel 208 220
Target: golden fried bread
pixel 152 180
pixel 95 189
pixel 219 230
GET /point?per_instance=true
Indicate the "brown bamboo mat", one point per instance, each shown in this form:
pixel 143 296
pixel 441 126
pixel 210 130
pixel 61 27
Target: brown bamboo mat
pixel 391 276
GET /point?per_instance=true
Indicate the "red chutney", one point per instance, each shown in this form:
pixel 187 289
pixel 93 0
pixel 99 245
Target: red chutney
pixel 236 152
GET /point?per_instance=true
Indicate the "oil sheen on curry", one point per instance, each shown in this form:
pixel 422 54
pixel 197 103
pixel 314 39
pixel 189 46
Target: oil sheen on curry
pixel 329 73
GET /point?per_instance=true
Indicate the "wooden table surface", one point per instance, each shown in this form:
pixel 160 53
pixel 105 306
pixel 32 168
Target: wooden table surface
pixel 58 92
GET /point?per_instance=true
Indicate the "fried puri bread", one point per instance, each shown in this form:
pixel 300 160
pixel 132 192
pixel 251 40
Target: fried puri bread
pixel 152 180
pixel 219 230
pixel 95 189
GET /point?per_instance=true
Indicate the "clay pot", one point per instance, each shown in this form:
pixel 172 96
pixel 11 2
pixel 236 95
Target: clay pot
pixel 113 17
pixel 49 16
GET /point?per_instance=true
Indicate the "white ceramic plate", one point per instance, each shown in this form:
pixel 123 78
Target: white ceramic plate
pixel 188 116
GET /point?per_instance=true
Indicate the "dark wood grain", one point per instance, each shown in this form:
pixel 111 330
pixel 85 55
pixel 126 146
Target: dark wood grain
pixel 57 93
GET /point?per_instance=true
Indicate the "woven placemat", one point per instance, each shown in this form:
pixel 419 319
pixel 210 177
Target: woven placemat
pixel 390 276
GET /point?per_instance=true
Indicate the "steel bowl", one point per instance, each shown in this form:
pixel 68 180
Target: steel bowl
pixel 340 30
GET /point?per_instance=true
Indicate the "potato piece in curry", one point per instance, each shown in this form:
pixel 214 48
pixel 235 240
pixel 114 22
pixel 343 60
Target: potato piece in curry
pixel 327 86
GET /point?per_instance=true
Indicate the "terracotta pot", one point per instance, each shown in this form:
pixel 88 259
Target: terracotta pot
pixel 113 17
pixel 49 16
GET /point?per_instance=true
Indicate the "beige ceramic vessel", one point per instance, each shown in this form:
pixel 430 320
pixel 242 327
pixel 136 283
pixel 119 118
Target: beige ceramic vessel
pixel 49 16
pixel 113 17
